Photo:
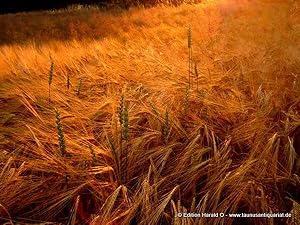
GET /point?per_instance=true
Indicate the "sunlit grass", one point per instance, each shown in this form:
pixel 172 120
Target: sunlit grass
pixel 130 142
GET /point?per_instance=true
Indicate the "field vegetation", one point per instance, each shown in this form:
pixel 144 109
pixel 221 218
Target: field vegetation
pixel 131 116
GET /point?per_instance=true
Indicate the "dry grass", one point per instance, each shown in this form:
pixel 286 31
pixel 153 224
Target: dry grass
pixel 229 144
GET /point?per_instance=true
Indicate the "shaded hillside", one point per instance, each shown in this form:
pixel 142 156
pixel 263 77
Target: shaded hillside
pixel 74 23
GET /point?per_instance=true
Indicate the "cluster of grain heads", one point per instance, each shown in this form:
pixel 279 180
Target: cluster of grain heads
pixel 190 54
pixel 60 133
pixel 50 76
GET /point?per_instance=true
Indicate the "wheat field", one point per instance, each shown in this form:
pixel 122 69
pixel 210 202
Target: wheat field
pixel 133 117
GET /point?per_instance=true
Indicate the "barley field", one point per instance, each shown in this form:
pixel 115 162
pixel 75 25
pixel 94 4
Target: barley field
pixel 138 116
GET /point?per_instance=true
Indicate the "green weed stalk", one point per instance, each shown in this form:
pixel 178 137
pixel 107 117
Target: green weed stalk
pixel 125 132
pixel 124 136
pixel 197 75
pixel 166 127
pixel 50 77
pixel 186 101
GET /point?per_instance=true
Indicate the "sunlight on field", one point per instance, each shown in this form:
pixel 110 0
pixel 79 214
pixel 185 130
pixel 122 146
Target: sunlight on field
pixel 133 140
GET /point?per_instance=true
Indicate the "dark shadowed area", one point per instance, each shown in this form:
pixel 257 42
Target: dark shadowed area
pixel 14 6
